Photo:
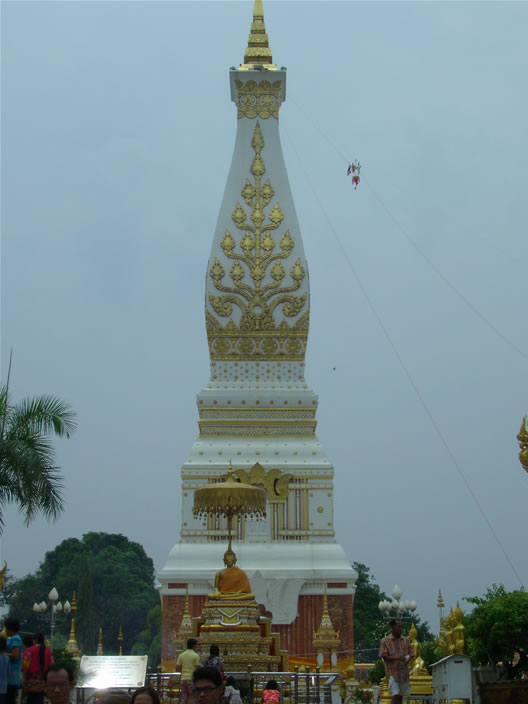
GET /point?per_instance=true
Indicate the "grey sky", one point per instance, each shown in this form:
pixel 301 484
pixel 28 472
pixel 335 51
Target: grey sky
pixel 117 134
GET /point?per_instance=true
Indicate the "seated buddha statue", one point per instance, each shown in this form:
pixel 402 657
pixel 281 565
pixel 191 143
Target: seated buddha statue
pixel 231 582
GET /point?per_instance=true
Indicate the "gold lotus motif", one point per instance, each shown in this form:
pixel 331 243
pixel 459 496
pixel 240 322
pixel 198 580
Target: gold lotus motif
pixel 258 283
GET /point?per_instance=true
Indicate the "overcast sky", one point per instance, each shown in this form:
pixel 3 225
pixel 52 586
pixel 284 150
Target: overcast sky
pixel 117 135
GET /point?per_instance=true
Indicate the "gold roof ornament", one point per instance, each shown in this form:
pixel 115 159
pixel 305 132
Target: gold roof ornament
pixel 258 53
pixel 522 437
pixel 230 498
pixel 325 636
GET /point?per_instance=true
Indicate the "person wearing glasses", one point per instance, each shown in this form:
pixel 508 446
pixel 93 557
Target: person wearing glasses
pixel 59 683
pixel 208 685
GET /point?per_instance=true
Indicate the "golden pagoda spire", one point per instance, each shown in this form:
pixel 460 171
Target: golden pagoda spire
pixel 258 52
pixel 325 636
pixel 100 643
pixel 120 638
pixel 71 645
pixel 186 629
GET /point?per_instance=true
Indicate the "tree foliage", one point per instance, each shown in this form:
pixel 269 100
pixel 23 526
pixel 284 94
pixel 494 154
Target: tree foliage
pixel 497 630
pixel 369 625
pixel 28 474
pixel 114 582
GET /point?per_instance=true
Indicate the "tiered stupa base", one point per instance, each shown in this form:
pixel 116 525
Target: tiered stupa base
pixel 243 636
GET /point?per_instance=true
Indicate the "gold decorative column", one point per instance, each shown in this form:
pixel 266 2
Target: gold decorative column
pixel 120 639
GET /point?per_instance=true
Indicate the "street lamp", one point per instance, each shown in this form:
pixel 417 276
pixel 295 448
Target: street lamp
pixel 58 612
pixel 397 608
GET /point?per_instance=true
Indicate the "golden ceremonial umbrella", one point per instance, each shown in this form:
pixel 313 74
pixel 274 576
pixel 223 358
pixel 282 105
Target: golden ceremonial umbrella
pixel 230 498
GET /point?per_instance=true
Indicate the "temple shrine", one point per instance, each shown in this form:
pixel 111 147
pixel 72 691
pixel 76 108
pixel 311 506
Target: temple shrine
pixel 257 412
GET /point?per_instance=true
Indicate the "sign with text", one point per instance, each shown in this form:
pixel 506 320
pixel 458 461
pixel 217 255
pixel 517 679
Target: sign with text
pixel 109 671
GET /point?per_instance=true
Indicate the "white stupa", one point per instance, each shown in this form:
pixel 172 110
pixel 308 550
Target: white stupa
pixel 257 411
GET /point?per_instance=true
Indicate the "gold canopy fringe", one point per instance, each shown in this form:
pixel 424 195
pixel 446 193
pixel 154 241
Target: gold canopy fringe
pixel 230 498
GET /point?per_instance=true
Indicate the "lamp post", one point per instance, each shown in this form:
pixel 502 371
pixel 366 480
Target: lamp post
pixel 397 608
pixel 58 612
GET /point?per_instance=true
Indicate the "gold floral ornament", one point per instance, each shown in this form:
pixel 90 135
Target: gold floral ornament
pixel 258 282
pixel 262 99
pixel 229 498
pixel 522 437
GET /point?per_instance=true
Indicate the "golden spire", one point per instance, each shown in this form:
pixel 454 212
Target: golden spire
pixel 100 643
pixel 185 631
pixel 325 636
pixel 120 638
pixel 258 51
pixel 522 437
pixel 440 602
pixel 71 645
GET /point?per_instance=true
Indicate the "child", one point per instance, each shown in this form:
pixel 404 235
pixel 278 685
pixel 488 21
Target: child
pixel 271 695
pixel 231 693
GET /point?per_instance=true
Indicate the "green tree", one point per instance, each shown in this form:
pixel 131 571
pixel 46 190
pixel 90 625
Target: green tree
pixel 85 621
pixel 114 582
pixel 497 630
pixel 149 640
pixel 28 474
pixel 369 626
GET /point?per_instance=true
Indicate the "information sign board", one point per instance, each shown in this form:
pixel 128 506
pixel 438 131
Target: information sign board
pixel 109 671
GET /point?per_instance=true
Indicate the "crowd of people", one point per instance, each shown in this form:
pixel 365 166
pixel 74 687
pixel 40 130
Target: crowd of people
pixel 27 665
pixel 27 669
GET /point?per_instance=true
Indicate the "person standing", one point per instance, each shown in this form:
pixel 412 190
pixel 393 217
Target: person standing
pixel 396 651
pixel 4 664
pixel 14 653
pixel 187 663
pixel 214 660
pixel 35 663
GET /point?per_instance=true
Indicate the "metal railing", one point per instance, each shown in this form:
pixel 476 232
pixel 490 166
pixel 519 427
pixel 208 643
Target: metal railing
pixel 309 687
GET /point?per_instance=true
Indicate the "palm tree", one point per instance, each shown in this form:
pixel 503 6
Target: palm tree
pixel 28 474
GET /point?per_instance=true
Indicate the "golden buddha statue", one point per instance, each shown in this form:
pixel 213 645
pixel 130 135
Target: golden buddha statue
pixel 232 582
pixel 458 631
pixel 421 680
pixel 417 665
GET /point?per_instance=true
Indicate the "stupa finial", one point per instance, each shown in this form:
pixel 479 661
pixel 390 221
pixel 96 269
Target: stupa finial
pixel 258 53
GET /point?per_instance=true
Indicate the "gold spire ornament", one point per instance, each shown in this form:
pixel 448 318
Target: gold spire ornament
pixel 325 637
pixel 258 53
pixel 120 638
pixel 71 645
pixel 229 498
pixel 522 437
pixel 186 628
pixel 100 643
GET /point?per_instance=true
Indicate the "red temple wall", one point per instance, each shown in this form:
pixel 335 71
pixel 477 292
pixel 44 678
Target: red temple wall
pixel 296 638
